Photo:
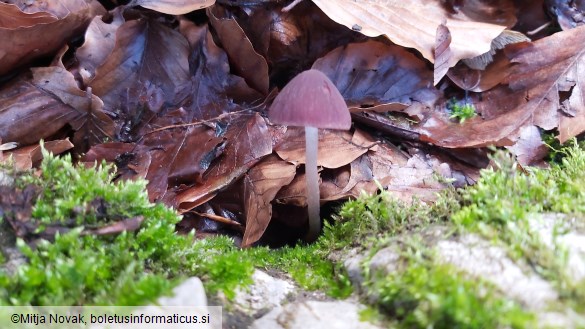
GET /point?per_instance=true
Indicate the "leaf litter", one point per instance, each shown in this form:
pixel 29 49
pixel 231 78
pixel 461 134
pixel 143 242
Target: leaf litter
pixel 177 92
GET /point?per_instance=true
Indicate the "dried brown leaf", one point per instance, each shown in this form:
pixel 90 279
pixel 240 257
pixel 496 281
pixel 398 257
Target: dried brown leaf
pixel 24 108
pixel 442 52
pixel 174 7
pixel 335 148
pixel 245 61
pixel 90 122
pixel 25 157
pixel 146 68
pixel 247 142
pixel 373 73
pixel 41 28
pixel 100 39
pixel 413 23
pixel 532 94
pixel 261 184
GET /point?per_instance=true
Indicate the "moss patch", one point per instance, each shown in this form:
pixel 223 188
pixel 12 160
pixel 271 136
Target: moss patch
pixel 427 295
pixel 134 268
pixel 500 204
pixel 74 269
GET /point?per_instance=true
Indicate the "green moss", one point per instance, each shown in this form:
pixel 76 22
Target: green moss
pixel 368 219
pixel 308 266
pixel 428 295
pixel 75 269
pixel 502 201
pixel 460 110
pixel 135 267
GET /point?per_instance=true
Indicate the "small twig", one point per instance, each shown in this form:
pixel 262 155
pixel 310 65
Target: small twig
pixel 538 29
pixel 291 6
pixel 219 117
pixel 217 218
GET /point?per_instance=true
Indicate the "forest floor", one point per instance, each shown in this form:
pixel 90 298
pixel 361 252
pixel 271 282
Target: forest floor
pixel 506 252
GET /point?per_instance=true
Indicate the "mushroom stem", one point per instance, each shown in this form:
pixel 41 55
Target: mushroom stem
pixel 313 197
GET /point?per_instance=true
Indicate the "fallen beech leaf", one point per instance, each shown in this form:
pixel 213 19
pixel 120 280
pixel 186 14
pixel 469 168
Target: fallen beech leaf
pixel 174 7
pixel 261 184
pixel 246 62
pixel 529 96
pixel 179 156
pixel 100 39
pixel 25 157
pixel 335 148
pixel 11 17
pixel 442 52
pixel 24 108
pixel 295 194
pixel 42 30
pixel 220 83
pixel 413 23
pixel 481 80
pixel 529 149
pixel 373 73
pixel 90 123
pixel 291 41
pixel 146 68
pixel 247 142
pixel 131 160
pixel 183 143
pixel 569 14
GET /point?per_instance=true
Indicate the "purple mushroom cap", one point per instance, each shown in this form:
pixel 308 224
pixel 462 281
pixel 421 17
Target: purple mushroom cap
pixel 310 99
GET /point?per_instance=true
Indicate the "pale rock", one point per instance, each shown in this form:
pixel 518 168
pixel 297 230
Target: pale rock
pixel 480 259
pixel 188 293
pixel 266 292
pixel 555 230
pixel 314 315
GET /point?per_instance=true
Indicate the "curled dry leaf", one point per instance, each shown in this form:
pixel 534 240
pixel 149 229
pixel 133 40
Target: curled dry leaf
pixel 91 124
pixel 25 157
pixel 372 73
pixel 544 71
pixel 261 184
pixel 336 148
pixel 481 80
pixel 413 23
pixel 442 53
pixel 247 142
pixel 542 89
pixel 244 60
pixel 41 31
pixel 100 39
pixel 529 149
pixel 24 108
pixel 291 41
pixel 174 7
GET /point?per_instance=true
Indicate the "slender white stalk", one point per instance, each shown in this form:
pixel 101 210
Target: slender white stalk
pixel 313 197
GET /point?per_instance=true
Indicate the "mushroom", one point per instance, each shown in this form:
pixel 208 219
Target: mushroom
pixel 312 101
